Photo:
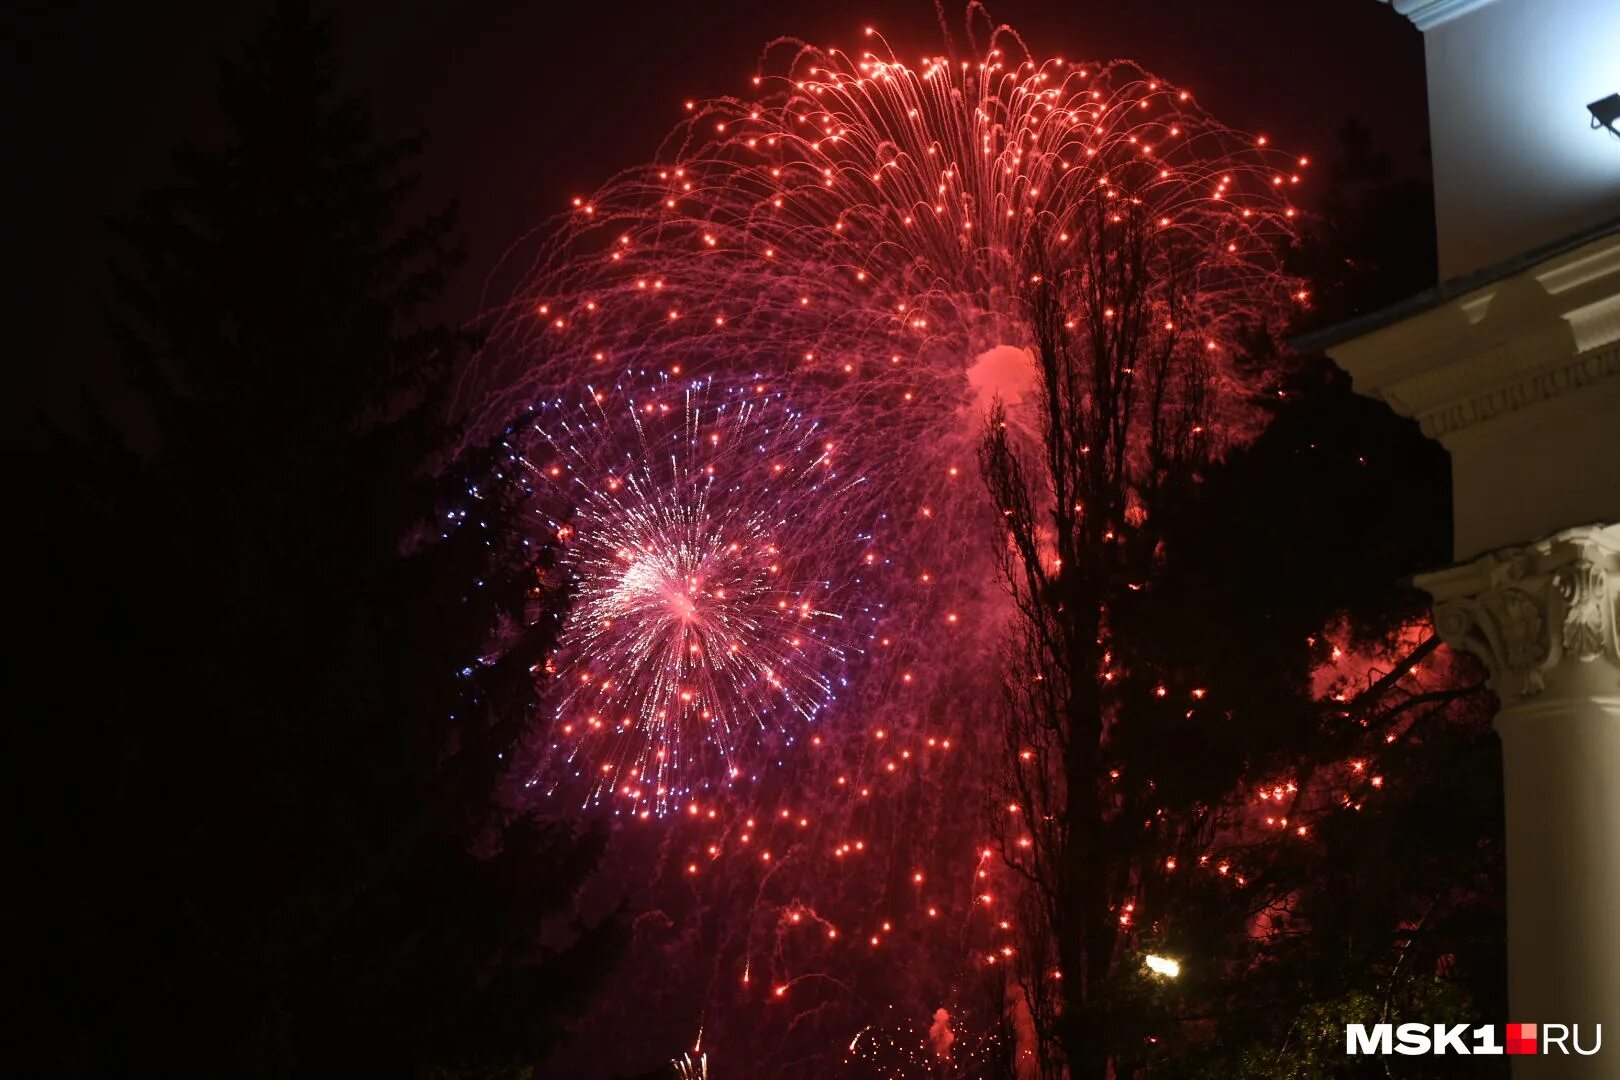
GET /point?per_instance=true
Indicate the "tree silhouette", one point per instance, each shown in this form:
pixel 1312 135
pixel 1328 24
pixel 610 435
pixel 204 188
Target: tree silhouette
pixel 1230 737
pixel 1372 242
pixel 323 634
pixel 1124 414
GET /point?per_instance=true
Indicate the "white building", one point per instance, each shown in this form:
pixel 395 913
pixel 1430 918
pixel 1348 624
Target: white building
pixel 1513 362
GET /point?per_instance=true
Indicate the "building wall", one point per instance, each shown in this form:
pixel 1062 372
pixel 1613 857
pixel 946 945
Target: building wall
pixel 1516 162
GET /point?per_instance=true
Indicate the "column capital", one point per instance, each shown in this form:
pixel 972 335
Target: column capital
pixel 1533 610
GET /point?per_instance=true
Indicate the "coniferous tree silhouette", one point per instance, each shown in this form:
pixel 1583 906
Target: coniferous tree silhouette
pixel 303 651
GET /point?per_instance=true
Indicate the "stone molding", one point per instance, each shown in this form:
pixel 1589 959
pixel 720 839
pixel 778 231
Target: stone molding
pixel 1526 609
pixel 1528 388
pixel 1429 13
pixel 1550 331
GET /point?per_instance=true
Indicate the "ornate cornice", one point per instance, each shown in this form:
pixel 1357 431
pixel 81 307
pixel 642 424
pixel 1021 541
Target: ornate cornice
pixel 1548 331
pixel 1518 391
pixel 1525 610
pixel 1429 13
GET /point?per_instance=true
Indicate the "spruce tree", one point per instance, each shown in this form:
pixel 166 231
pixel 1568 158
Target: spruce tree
pixel 320 633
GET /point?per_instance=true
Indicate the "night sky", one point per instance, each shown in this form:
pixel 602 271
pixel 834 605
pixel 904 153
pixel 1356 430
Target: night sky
pixel 526 104
pixel 524 107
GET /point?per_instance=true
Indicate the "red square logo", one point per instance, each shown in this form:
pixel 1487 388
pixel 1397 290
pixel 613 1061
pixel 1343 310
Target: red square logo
pixel 1521 1038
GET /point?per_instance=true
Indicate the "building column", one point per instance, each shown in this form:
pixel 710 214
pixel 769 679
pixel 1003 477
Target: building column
pixel 1545 619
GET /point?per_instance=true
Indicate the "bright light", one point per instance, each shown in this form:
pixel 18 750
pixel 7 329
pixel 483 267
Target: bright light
pixel 1162 965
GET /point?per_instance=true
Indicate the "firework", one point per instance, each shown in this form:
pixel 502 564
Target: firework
pixel 712 613
pixel 857 233
pixel 864 227
pixel 690 1067
pixel 861 233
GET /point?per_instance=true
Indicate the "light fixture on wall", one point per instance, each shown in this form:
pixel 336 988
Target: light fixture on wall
pixel 1606 113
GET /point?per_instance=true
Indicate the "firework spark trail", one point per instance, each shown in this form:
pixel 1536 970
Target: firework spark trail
pixel 863 227
pixel 857 235
pixel 860 233
pixel 691 519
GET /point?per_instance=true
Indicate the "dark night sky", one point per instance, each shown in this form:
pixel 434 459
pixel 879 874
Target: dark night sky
pixel 526 104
